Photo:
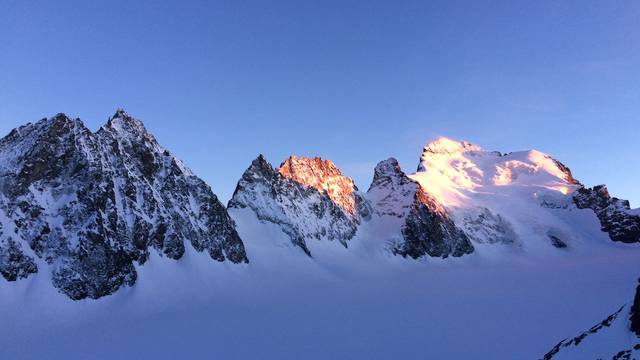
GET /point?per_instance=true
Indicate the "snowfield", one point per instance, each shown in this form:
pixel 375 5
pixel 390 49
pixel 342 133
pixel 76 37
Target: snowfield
pixel 498 303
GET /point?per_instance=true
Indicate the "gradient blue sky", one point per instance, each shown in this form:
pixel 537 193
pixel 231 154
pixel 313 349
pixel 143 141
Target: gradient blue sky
pixel 218 82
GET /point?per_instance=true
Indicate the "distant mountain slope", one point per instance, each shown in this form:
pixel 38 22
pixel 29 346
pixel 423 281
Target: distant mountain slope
pixel 91 205
pixel 524 195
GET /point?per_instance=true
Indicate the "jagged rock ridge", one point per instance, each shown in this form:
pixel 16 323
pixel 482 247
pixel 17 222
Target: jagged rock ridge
pixel 91 204
pixel 308 198
pixel 612 213
pixel 427 228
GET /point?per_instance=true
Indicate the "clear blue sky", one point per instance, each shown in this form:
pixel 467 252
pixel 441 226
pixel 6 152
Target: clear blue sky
pixel 218 82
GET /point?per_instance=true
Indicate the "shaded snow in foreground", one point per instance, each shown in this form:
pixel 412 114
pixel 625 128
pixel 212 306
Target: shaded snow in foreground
pixel 500 303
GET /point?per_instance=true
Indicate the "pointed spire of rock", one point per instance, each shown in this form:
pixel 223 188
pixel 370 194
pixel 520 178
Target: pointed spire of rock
pixel 388 172
pixel 120 113
pixel 122 121
pixel 260 171
pixel 260 165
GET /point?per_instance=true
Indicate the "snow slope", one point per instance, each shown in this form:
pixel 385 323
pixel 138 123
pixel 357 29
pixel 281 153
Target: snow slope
pixel 341 304
pixel 526 192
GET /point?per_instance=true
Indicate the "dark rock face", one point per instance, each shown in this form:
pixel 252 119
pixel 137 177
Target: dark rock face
pixel 92 204
pixel 612 213
pixel 635 312
pixel 427 227
pixel 430 231
pixel 298 203
pixel 556 242
pixel 14 264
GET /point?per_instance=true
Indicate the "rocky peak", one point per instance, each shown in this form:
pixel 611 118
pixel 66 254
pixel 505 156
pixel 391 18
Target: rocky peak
pixel 389 173
pixel 260 166
pixel 324 176
pixel 308 198
pixel 59 125
pixel 120 113
pixel 424 224
pixel 90 205
pixel 391 192
pixel 44 150
pixel 61 118
pixel 259 173
pixel 128 137
pixel 127 127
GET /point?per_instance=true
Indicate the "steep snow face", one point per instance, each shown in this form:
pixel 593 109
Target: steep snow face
pixel 525 199
pixel 425 225
pixel 500 198
pixel 455 170
pixel 89 205
pixel 616 337
pixel 307 198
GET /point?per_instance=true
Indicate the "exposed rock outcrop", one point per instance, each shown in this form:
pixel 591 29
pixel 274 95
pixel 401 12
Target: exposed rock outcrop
pixel 308 198
pixel 92 204
pixel 427 228
pixel 612 212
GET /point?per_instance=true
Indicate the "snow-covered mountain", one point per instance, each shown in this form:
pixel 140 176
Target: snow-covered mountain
pixel 454 257
pixel 308 198
pixel 616 337
pixel 522 198
pixel 427 228
pixel 463 198
pixel 88 206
